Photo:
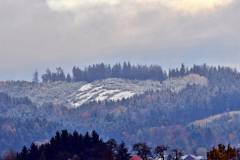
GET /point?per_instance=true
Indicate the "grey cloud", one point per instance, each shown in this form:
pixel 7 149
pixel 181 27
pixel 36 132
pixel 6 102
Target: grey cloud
pixel 34 36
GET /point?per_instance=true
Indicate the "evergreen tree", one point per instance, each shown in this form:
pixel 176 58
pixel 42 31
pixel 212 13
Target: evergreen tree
pixel 47 77
pixel 33 151
pixel 60 76
pixel 35 77
pixel 68 78
pixel 122 152
pixel 183 70
pixel 24 154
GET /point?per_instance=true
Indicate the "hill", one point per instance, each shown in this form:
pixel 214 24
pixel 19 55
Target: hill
pixel 133 110
pixel 77 93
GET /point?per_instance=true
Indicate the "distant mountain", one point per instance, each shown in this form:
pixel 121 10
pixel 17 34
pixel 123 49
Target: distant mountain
pixel 191 109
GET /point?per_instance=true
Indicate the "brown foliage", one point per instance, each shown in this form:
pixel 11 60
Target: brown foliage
pixel 222 153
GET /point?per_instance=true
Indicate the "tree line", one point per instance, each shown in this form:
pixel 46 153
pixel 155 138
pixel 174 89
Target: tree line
pixel 75 146
pixel 102 71
pixel 132 72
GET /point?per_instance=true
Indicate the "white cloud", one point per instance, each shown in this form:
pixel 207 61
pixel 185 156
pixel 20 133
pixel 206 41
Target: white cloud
pixel 63 5
pixel 185 6
pixel 196 6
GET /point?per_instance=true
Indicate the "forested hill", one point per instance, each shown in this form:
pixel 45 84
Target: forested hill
pixel 190 108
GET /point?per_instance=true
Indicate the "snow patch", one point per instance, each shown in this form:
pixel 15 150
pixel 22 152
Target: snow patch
pixel 114 89
pixel 86 87
pixel 122 95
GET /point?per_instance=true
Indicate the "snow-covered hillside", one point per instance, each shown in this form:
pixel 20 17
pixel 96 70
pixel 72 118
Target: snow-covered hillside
pixel 76 94
pixel 117 89
pixel 224 116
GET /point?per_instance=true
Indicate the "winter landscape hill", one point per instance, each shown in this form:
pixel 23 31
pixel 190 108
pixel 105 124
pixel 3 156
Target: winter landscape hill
pixel 75 94
pixel 188 108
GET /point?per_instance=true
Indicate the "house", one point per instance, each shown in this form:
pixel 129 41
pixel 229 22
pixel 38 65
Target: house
pixel 135 157
pixel 165 157
pixel 192 157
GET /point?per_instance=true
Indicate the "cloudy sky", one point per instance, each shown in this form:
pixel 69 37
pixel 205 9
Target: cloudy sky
pixel 36 34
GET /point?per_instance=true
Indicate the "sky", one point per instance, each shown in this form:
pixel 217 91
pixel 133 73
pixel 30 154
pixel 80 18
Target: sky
pixel 40 34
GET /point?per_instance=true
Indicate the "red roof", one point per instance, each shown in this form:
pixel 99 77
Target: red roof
pixel 135 157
